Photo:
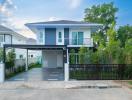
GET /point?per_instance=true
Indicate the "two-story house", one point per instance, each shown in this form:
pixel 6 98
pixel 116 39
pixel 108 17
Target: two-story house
pixel 8 36
pixel 62 34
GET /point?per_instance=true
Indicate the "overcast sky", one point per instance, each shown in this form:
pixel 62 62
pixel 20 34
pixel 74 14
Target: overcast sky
pixel 19 12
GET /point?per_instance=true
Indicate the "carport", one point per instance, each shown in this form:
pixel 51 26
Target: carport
pixel 62 48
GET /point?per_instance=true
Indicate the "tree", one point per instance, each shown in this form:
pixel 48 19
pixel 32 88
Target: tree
pixel 113 45
pixel 124 33
pixel 128 51
pixel 10 58
pixel 82 52
pixel 72 56
pixel 1 54
pixel 103 14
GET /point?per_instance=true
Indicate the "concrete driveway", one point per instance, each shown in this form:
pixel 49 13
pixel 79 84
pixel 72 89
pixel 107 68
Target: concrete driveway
pixel 40 74
pixel 66 94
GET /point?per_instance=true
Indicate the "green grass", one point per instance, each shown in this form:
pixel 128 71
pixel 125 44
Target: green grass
pixel 130 82
pixel 34 65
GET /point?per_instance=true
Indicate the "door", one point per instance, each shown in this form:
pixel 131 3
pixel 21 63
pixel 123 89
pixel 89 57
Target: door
pixel 60 59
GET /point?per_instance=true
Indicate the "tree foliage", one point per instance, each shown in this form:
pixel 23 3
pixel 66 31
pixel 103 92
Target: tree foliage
pixel 124 33
pixel 10 58
pixel 103 14
pixel 72 56
pixel 1 54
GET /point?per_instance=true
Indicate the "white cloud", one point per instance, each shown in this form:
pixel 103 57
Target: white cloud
pixel 53 19
pixel 74 3
pixel 9 20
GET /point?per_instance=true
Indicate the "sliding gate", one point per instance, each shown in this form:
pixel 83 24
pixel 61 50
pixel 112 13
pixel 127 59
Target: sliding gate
pixel 100 71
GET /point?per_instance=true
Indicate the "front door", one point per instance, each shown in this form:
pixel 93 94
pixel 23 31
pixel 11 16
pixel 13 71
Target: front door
pixel 60 60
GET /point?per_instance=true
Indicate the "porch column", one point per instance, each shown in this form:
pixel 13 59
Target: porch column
pixel 67 68
pixel 26 60
pixel 67 56
pixel 2 72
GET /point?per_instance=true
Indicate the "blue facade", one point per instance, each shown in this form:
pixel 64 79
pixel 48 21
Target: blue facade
pixel 50 36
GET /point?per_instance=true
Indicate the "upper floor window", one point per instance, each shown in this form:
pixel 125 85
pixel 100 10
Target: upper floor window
pixel 41 37
pixel 77 38
pixel 1 38
pixel 60 37
pixel 21 56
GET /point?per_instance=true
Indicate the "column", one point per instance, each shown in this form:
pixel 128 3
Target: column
pixel 26 61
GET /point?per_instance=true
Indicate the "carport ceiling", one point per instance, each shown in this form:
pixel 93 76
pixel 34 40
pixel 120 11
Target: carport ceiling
pixel 36 47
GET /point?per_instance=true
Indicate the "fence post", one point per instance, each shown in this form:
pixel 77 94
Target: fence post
pixel 2 73
pixel 66 72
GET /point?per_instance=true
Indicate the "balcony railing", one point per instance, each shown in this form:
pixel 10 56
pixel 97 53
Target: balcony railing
pixel 80 41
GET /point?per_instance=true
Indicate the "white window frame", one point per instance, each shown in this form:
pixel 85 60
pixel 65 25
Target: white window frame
pixel 57 36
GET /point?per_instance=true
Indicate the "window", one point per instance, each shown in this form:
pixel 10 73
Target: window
pixel 8 39
pixel 60 37
pixel 21 56
pixel 1 38
pixel 41 37
pixel 77 38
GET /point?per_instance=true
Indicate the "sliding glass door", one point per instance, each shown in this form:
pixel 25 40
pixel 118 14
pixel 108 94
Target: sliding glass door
pixel 77 38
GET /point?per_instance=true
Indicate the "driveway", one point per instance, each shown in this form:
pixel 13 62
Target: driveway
pixel 40 74
pixel 66 94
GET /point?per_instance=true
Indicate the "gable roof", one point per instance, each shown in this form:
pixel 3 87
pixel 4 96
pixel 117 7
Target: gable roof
pixel 63 22
pixel 4 30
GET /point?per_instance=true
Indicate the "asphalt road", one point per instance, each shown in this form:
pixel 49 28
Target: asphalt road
pixel 66 94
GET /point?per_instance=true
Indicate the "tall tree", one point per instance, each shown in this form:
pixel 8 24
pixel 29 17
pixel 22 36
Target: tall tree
pixel 124 33
pixel 104 14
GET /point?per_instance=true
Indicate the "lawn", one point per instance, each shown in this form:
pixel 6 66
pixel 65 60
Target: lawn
pixel 130 82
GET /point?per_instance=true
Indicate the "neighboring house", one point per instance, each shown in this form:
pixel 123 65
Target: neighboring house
pixel 57 38
pixel 33 55
pixel 8 36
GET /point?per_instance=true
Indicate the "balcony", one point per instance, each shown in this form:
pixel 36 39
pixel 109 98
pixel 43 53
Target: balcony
pixel 88 42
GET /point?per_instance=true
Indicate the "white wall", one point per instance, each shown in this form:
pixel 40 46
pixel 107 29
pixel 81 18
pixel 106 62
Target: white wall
pixel 52 59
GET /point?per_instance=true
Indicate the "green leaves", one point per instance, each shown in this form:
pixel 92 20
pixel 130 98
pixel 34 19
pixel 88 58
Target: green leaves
pixel 104 14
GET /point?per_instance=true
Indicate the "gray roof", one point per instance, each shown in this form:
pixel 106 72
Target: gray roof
pixel 63 22
pixel 3 28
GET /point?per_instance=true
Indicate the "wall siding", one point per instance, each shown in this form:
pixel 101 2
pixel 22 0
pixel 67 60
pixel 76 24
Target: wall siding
pixel 50 36
pixel 66 36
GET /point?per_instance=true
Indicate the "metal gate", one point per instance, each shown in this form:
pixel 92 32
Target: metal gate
pixel 100 71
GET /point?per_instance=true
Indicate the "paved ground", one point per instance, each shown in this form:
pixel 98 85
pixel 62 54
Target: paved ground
pixel 66 94
pixel 40 74
pixel 29 86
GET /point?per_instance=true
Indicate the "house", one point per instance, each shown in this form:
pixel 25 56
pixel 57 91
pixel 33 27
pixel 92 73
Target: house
pixel 56 38
pixel 8 36
pixel 33 55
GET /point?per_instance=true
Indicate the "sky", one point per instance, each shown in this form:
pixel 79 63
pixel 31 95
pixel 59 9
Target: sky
pixel 15 13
